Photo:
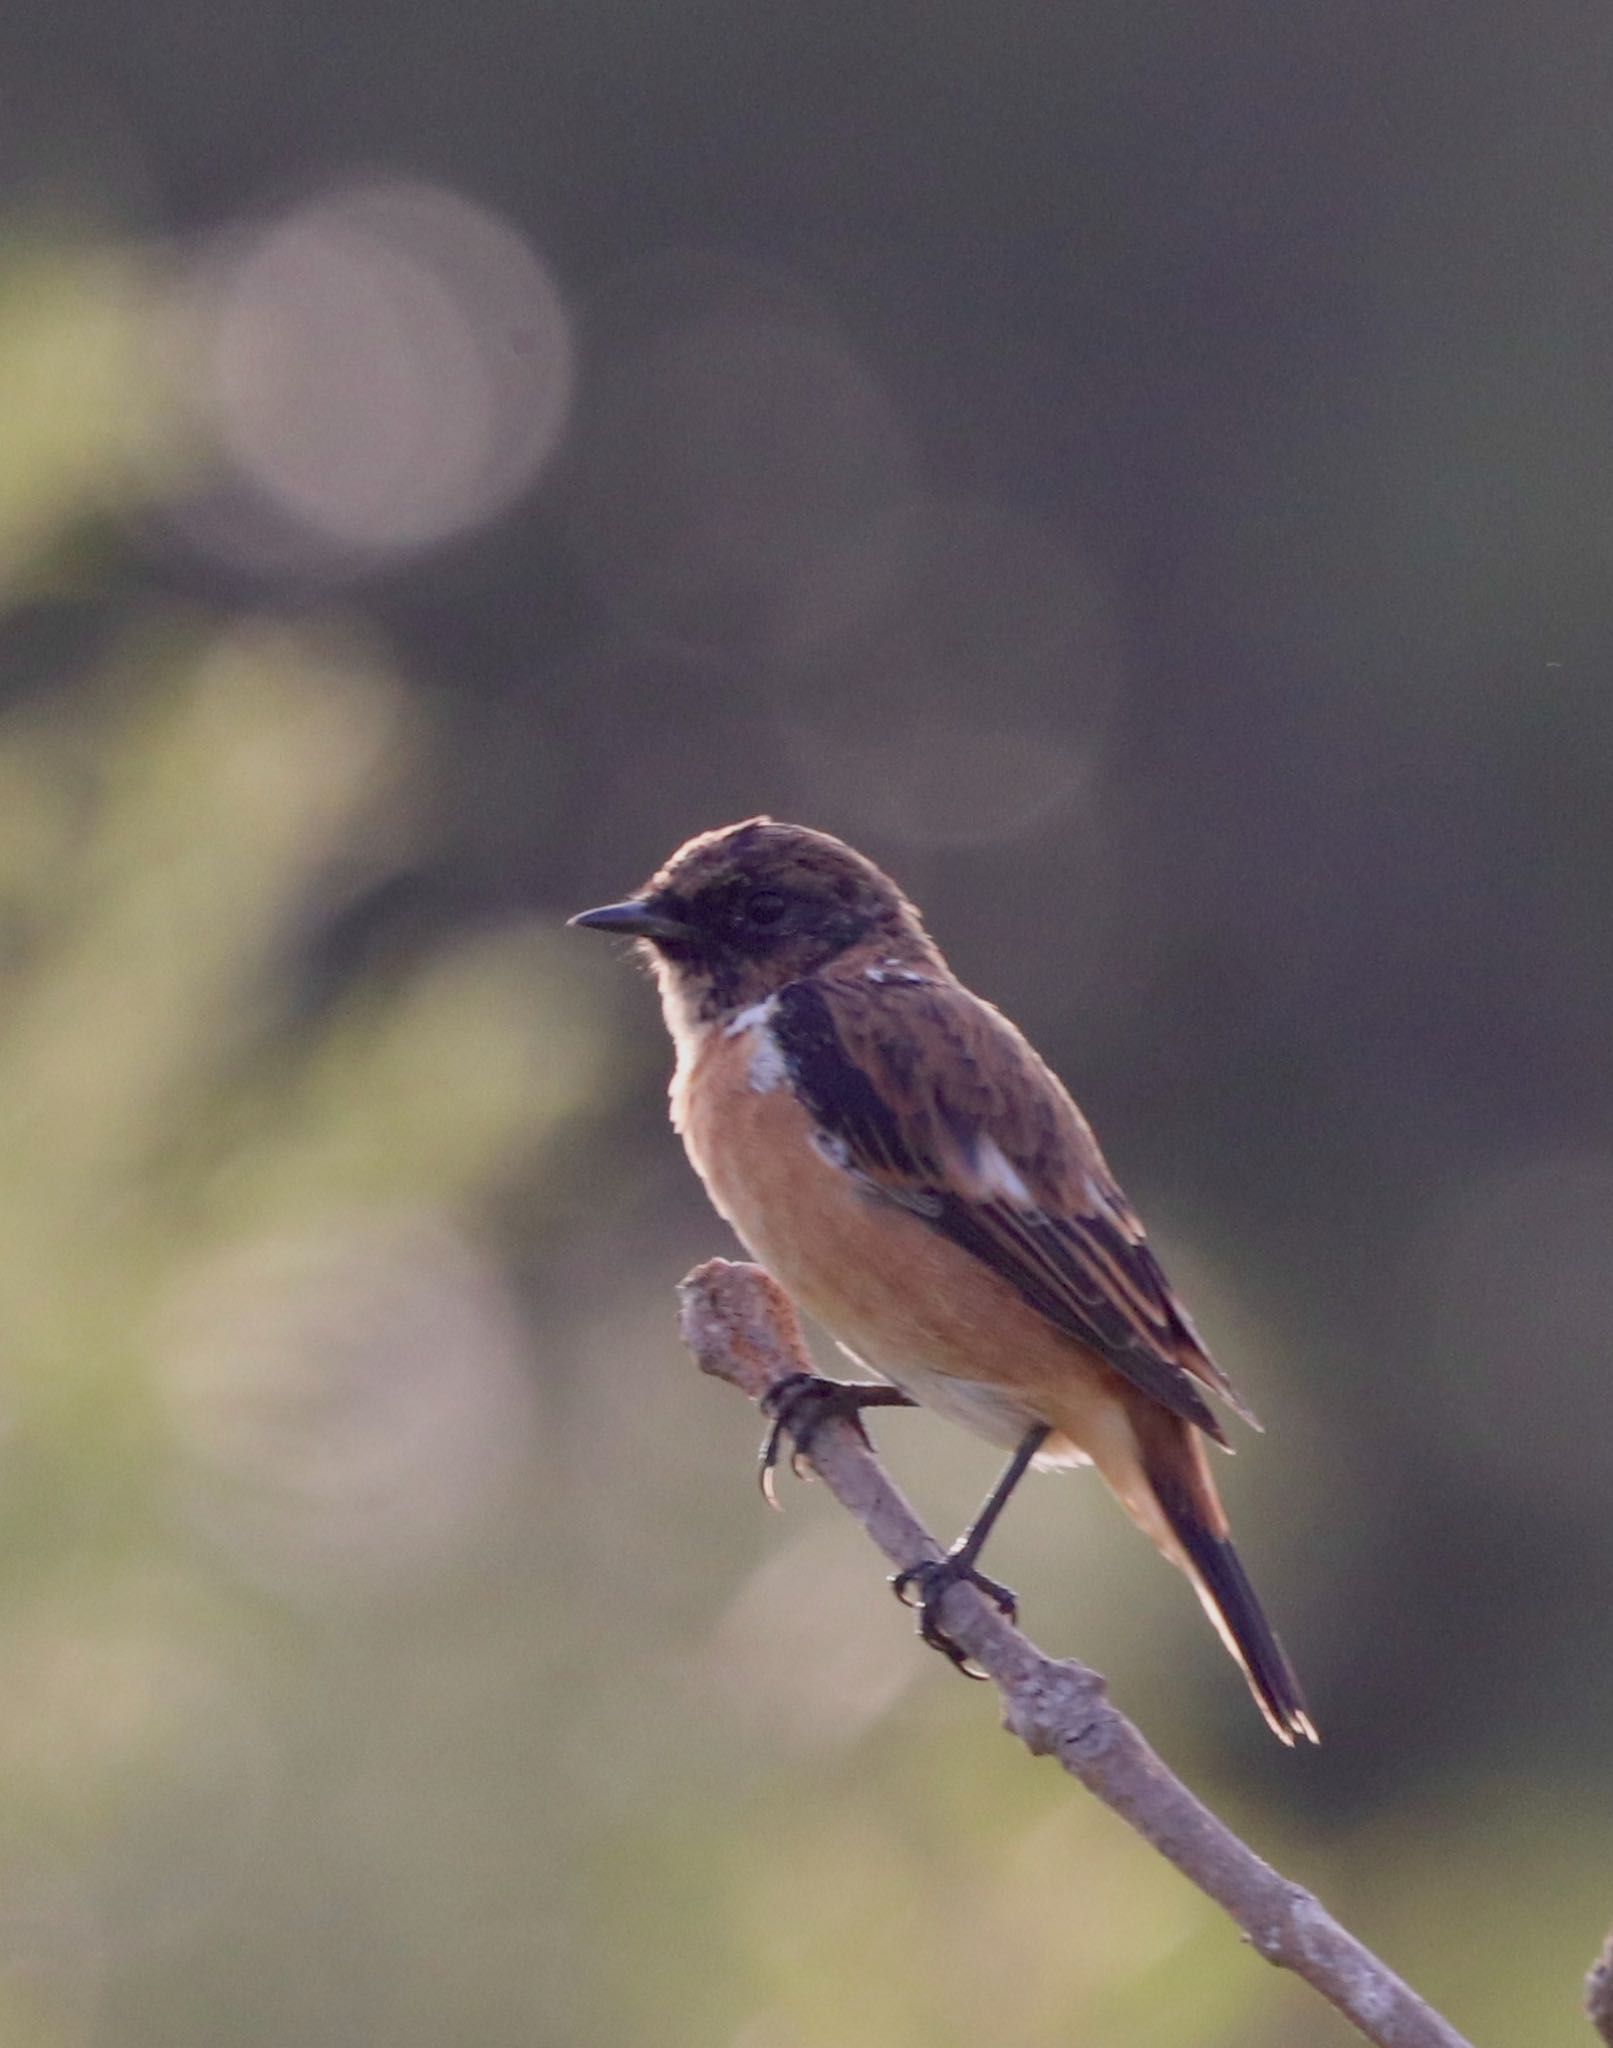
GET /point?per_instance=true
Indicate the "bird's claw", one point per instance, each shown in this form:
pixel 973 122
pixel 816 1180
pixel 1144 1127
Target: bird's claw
pixel 801 1403
pixel 933 1580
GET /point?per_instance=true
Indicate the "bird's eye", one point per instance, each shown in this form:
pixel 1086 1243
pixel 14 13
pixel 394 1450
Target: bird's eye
pixel 765 906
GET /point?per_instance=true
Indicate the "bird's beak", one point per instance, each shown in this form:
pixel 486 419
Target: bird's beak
pixel 635 918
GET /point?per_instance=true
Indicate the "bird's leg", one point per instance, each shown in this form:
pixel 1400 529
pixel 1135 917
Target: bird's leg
pixel 802 1402
pixel 931 1581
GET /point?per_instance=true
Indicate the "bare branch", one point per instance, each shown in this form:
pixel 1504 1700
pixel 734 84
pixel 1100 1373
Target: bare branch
pixel 1598 1990
pixel 741 1328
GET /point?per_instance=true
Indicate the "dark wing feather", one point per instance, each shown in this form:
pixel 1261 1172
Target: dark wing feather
pixel 935 1101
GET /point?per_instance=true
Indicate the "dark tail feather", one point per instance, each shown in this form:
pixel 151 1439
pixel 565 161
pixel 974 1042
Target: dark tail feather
pixel 1229 1600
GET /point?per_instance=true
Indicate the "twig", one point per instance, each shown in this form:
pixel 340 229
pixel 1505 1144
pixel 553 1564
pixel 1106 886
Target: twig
pixel 742 1329
pixel 1598 1989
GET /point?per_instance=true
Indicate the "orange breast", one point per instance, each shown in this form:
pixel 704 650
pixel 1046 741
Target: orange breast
pixel 908 1301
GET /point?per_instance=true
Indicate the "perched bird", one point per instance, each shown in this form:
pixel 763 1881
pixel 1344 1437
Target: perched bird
pixel 895 1154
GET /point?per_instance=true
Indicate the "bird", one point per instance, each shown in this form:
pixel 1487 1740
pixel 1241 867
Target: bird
pixel 890 1148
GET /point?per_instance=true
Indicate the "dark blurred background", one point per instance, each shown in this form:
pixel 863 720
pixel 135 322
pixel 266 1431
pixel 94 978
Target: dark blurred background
pixel 1143 474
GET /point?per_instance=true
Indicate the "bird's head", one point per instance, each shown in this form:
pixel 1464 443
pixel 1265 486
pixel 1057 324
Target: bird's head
pixel 737 913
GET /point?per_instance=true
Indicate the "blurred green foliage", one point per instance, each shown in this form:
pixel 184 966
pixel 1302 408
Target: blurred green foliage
pixel 207 1193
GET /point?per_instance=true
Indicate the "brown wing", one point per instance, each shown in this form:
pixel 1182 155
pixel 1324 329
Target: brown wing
pixel 934 1100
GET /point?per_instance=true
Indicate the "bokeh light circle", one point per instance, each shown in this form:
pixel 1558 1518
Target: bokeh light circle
pixel 738 479
pixel 347 1407
pixel 383 367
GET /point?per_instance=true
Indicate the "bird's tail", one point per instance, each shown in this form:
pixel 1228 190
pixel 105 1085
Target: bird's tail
pixel 1179 1478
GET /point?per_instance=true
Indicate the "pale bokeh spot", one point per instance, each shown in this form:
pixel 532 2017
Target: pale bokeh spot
pixel 126 1718
pixel 383 368
pixel 739 480
pixel 810 1651
pixel 348 1407
pixel 973 704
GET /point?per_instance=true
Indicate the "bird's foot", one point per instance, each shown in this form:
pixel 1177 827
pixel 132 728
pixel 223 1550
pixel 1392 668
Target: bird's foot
pixel 801 1403
pixel 931 1583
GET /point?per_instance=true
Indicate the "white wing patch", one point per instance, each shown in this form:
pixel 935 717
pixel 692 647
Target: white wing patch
pixel 996 1173
pixel 832 1150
